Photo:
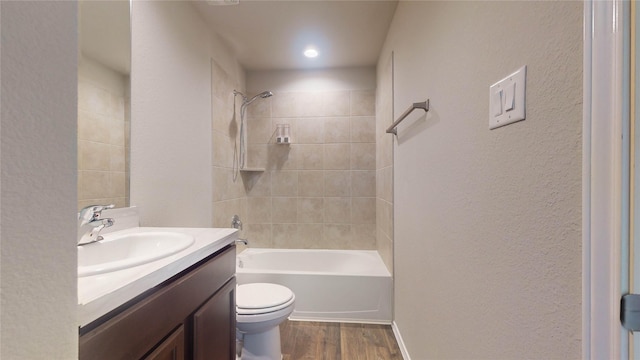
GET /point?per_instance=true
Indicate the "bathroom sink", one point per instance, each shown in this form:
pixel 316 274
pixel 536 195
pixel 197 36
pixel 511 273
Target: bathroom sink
pixel 125 250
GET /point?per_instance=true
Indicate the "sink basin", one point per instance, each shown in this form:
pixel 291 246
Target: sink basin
pixel 121 251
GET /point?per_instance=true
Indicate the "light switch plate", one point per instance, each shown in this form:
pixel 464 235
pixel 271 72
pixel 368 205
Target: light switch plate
pixel 511 89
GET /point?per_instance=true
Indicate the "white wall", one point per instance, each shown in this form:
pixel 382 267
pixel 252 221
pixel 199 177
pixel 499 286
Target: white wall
pixel 38 195
pixel 172 121
pixel 487 223
pixel 171 131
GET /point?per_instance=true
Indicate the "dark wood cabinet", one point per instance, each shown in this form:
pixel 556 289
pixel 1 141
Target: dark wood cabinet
pixel 170 349
pixel 214 327
pixel 190 316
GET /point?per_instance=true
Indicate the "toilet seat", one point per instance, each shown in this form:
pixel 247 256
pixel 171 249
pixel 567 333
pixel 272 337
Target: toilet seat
pixel 262 298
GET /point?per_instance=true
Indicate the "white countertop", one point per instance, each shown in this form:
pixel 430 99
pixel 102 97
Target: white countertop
pixel 99 294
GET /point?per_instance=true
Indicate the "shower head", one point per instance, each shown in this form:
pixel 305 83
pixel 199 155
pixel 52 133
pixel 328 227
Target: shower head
pixel 262 95
pixel 246 101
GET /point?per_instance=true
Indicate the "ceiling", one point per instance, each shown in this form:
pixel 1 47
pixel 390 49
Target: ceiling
pixel 272 34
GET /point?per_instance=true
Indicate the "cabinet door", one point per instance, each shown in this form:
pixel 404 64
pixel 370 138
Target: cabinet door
pixel 170 349
pixel 214 326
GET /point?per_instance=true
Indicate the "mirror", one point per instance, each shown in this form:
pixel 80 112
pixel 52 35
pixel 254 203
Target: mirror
pixel 104 68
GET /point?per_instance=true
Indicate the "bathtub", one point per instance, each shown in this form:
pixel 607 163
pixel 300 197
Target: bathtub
pixel 330 285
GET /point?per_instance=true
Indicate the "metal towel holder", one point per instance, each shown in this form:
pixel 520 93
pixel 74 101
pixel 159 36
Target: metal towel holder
pixel 419 105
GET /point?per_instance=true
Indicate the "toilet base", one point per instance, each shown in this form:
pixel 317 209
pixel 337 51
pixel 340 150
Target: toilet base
pixel 262 346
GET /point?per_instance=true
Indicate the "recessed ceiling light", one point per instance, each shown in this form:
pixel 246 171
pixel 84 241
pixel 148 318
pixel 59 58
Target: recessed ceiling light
pixel 311 53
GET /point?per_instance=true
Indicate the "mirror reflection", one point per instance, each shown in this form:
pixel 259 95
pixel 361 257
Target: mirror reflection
pixel 103 103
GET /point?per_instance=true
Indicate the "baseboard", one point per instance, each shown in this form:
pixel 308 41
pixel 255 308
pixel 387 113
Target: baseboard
pixel 403 348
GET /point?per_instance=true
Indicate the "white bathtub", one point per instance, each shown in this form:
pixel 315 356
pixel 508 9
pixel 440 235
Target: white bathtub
pixel 330 285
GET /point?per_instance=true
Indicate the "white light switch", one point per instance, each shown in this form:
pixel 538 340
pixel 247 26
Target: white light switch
pixel 509 98
pixel 496 102
pixel 511 104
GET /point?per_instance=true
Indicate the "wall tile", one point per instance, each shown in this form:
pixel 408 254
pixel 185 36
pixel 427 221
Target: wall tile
pixel 95 184
pixel 220 176
pixel 285 210
pixel 311 157
pixel 363 103
pixel 93 127
pixel 285 183
pixel 282 157
pixel 336 236
pixel 311 183
pixel 337 130
pixel 363 129
pixel 94 155
pixel 337 156
pixel 323 185
pixel 284 104
pixel 257 183
pixel 337 210
pixel 222 150
pixel 337 183
pixel 116 132
pixel 117 183
pixel 310 131
pixel 259 108
pixel 310 236
pixel 363 156
pixel 259 210
pixel 259 130
pixel 257 156
pixel 364 236
pixel 117 159
pixel 363 210
pixel 336 103
pixel 363 183
pixel 285 236
pixel 310 210
pixel 259 235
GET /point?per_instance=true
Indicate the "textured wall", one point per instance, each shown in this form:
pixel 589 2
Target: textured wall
pixel 171 146
pixel 38 197
pixel 487 223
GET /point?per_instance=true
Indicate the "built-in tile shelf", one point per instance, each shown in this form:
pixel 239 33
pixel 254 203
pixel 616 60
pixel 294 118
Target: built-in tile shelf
pixel 252 169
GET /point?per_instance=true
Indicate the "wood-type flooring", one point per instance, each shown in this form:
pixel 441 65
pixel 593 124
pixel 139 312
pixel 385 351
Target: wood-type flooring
pixel 303 340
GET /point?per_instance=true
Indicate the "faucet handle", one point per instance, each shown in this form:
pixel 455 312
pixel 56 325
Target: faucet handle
pixel 236 223
pixel 92 212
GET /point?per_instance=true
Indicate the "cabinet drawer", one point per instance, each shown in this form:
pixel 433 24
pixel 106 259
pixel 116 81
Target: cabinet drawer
pixel 135 331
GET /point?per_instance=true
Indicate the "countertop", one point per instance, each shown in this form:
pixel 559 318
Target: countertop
pixel 99 294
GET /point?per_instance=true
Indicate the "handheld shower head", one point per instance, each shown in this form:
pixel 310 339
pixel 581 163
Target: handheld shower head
pixel 246 101
pixel 262 95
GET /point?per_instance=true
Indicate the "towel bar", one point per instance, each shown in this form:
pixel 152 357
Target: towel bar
pixel 420 105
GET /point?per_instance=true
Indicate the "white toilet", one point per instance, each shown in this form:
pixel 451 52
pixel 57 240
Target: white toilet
pixel 260 308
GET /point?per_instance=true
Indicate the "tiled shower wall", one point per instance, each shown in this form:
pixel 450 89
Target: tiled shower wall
pixel 103 132
pixel 384 162
pixel 229 195
pixel 319 191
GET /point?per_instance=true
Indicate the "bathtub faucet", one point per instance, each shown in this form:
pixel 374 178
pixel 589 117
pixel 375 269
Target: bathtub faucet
pixel 236 223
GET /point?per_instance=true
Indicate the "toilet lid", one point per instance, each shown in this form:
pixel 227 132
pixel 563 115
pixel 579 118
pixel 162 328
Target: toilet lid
pixel 262 296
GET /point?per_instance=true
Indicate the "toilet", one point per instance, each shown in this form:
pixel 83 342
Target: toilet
pixel 260 308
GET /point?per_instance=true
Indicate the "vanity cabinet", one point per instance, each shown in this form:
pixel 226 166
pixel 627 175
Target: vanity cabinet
pixel 190 316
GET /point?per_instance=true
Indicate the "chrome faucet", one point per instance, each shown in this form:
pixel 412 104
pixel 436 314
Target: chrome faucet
pixel 236 223
pixel 90 224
